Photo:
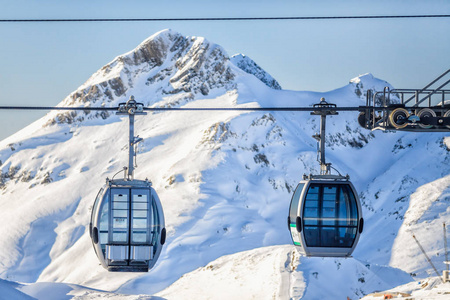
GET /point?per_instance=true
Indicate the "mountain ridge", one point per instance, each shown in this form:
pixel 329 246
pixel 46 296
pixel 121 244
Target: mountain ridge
pixel 183 66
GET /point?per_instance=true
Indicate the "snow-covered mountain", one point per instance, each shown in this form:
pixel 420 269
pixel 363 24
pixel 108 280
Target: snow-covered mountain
pixel 225 179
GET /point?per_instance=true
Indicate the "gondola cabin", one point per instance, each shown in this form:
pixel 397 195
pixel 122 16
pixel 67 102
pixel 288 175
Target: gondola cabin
pixel 127 226
pixel 325 216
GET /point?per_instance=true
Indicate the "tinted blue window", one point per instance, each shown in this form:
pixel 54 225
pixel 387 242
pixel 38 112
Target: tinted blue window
pixel 330 216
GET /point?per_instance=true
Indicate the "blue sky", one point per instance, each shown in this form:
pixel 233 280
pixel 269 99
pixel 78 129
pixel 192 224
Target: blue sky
pixel 41 63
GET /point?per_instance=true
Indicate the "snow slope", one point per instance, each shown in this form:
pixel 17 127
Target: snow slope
pixel 429 288
pixel 225 180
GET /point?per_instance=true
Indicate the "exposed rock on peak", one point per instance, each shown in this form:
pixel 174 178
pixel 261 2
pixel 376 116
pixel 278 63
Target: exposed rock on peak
pixel 248 65
pixel 154 50
pixel 166 64
pixel 167 69
pixel 366 82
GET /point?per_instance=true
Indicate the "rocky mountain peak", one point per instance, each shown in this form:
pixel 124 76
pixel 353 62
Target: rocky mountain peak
pixel 366 82
pixel 246 64
pixel 167 69
pixel 154 50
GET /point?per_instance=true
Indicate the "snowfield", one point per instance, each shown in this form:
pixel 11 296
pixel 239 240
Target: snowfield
pixel 225 179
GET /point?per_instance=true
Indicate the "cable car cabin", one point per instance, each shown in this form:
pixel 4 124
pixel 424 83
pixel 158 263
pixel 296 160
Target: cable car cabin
pixel 127 226
pixel 325 216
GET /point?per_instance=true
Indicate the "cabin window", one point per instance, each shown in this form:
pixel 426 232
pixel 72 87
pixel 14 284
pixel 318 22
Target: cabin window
pixel 119 216
pixel 140 225
pixel 330 216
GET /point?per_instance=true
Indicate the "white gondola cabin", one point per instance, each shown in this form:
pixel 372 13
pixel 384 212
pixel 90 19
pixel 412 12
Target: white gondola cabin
pixel 127 226
pixel 325 216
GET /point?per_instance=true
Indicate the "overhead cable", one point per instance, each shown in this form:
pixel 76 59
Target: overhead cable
pixel 225 18
pixel 306 109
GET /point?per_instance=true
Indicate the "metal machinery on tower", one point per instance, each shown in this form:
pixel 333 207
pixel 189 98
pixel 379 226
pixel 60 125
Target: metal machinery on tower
pixel 424 110
pixel 127 220
pixel 325 217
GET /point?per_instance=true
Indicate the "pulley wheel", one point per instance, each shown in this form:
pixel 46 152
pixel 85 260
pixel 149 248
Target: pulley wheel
pixel 423 114
pixel 362 119
pixel 447 115
pixel 398 118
